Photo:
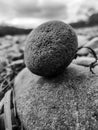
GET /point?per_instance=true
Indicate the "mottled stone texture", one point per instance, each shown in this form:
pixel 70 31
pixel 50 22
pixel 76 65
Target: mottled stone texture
pixel 50 48
pixel 66 102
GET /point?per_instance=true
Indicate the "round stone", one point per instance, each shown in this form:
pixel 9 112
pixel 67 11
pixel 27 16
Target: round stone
pixel 50 48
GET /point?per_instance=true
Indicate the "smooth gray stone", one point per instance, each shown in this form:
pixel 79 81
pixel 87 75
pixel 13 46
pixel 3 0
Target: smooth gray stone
pixel 66 102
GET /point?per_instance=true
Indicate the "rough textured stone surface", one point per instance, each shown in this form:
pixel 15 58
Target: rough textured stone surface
pixel 66 102
pixel 50 48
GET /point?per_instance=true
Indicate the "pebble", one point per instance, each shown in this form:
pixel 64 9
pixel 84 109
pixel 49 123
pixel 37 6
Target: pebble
pixel 50 48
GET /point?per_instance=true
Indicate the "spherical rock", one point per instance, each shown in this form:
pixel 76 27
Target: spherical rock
pixel 50 48
pixel 66 102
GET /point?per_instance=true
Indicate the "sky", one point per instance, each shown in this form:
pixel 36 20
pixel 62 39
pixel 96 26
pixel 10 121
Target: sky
pixel 33 8
pixel 30 12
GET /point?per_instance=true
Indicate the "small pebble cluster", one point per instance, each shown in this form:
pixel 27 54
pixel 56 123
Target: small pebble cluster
pixel 50 48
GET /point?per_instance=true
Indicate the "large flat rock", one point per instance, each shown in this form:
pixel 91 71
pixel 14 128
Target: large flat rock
pixel 67 102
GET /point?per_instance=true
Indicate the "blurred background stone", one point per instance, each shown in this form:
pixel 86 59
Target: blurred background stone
pixel 3 64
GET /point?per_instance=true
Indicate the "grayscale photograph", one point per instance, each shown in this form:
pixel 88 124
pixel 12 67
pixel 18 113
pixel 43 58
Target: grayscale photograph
pixel 48 64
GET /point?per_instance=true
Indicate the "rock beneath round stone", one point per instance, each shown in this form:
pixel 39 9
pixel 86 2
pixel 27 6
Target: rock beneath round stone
pixel 50 48
pixel 66 102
